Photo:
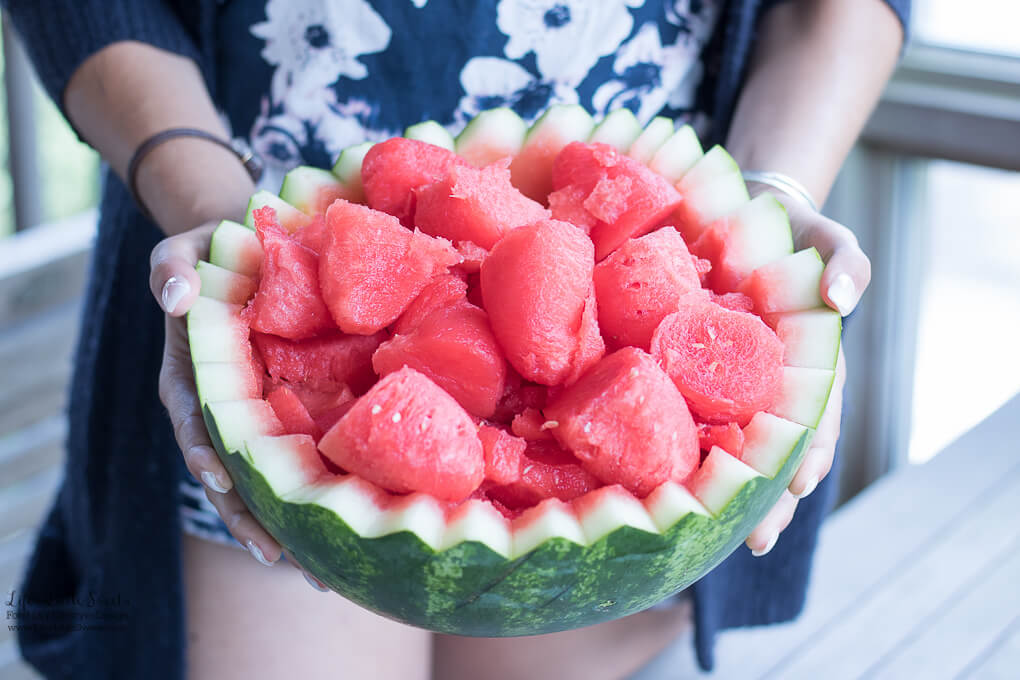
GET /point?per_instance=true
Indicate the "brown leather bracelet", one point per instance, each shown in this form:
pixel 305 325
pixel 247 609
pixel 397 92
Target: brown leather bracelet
pixel 251 162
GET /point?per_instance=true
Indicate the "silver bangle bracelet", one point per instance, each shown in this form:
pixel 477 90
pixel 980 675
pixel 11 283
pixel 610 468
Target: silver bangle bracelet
pixel 784 183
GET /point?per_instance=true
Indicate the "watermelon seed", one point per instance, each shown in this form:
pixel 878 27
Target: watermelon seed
pixel 527 469
pixel 634 372
pixel 396 417
pixel 550 424
pixel 698 345
pixel 711 332
pixel 712 366
pixel 587 427
pixel 376 408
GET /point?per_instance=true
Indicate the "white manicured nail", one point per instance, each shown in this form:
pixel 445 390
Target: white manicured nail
pixel 808 488
pixel 210 480
pixel 768 546
pixel 843 294
pixel 174 291
pixel 256 552
pixel 315 584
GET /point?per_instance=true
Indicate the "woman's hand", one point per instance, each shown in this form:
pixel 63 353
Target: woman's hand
pixel 846 276
pixel 175 285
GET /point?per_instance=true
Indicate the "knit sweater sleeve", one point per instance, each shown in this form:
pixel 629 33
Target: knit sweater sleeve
pixel 61 34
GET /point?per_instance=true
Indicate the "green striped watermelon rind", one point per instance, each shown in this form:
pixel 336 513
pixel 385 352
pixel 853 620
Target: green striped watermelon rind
pixel 469 589
pixel 466 587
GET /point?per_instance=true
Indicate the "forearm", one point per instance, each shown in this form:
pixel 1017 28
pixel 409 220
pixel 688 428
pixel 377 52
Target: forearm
pixel 129 91
pixel 817 72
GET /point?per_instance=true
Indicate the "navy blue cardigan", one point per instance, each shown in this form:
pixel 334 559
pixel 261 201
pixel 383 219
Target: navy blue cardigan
pixel 106 571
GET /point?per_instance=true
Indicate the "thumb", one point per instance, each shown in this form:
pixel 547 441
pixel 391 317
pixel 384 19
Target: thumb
pixel 172 278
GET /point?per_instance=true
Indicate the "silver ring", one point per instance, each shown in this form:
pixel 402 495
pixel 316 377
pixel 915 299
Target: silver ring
pixel 784 183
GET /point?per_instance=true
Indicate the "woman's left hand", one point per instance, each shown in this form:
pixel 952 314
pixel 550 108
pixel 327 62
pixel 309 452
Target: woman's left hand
pixel 846 276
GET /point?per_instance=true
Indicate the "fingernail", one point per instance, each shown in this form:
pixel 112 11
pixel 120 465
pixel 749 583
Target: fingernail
pixel 257 553
pixel 843 293
pixel 174 291
pixel 314 583
pixel 210 480
pixel 808 488
pixel 768 546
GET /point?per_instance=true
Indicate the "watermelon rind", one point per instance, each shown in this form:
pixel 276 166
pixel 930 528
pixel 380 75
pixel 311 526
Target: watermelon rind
pixel 348 169
pixel 810 338
pixel 491 135
pixel 304 184
pixel 759 233
pixel 224 285
pixel 677 155
pixel 235 247
pixel 287 215
pixel 794 282
pixel 713 188
pixel 618 129
pixel 560 566
pixel 430 132
pixel 651 138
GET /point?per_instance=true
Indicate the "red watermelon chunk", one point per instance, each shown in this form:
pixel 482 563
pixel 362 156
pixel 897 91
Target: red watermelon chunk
pixel 454 346
pixel 292 412
pixel 738 302
pixel 324 363
pixel 547 471
pixel 727 364
pixel 473 255
pixel 325 407
pixel 530 425
pixel 627 423
pixel 372 268
pixel 477 205
pixel 518 395
pixel 288 302
pixel 567 205
pixel 393 169
pixel 503 454
pixel 640 283
pixel 444 291
pixel 728 437
pixel 536 285
pixel 406 434
pixel 313 234
pixel 623 196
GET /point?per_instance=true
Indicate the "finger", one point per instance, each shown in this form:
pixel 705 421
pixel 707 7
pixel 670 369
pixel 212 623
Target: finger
pixel 177 392
pixel 312 581
pixel 847 269
pixel 818 460
pixel 172 277
pixel 243 526
pixel 765 535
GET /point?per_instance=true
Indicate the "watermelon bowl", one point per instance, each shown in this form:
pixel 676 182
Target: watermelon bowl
pixel 517 382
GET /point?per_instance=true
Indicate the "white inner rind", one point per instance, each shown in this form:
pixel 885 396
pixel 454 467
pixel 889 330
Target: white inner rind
pixel 286 214
pixel 677 155
pixel 214 328
pixel 619 129
pixel 670 503
pixel 768 441
pixel 430 132
pixel 302 185
pixel 759 233
pixel 223 284
pixel 348 165
pixel 651 138
pixel 547 520
pixel 241 421
pixel 795 281
pixel 224 381
pixel 565 123
pixel 810 338
pixel 804 394
pixel 714 187
pixel 235 247
pixel 491 135
pixel 729 476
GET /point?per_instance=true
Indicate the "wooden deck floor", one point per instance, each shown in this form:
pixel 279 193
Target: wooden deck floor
pixel 916 577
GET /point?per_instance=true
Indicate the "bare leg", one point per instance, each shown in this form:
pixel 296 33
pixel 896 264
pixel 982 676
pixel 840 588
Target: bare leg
pixel 249 621
pixel 608 651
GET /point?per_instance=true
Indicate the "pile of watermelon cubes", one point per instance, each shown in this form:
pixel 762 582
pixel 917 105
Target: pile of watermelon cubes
pixel 457 338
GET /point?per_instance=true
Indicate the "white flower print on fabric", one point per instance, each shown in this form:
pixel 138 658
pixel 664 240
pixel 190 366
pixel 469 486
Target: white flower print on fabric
pixel 567 36
pixel 312 44
pixel 490 82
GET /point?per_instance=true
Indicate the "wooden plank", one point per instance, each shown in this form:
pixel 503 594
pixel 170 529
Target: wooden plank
pixel 25 505
pixel 913 594
pixel 44 267
pixel 32 449
pixel 947 644
pixel 1001 658
pixel 873 538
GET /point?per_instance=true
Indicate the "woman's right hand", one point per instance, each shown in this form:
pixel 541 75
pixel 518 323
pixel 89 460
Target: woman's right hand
pixel 175 285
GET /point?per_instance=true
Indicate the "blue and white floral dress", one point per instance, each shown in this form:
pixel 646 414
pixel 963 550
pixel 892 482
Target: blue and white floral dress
pixel 301 80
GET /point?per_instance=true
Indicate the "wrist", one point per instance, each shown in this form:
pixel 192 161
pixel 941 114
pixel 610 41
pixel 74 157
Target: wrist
pixel 782 185
pixel 190 181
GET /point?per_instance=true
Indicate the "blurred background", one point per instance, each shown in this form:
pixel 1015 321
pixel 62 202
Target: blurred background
pixel 932 189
